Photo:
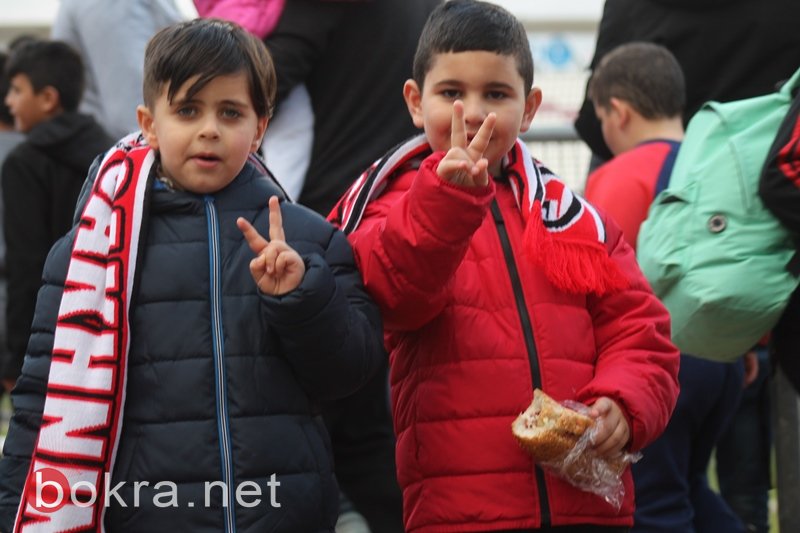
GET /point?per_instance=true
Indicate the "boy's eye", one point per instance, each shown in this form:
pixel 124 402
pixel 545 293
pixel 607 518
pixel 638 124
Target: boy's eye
pixel 186 111
pixel 496 95
pixel 231 113
pixel 451 93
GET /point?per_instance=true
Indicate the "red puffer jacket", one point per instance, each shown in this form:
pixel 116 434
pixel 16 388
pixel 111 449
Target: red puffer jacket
pixel 467 350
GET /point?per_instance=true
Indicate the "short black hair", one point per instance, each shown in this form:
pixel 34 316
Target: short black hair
pixel 472 25
pixel 208 48
pixel 49 63
pixel 5 113
pixel 644 74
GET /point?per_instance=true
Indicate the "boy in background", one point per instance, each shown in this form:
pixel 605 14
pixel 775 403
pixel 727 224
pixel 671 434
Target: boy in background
pixel 186 330
pixel 9 138
pixel 42 176
pixel 493 279
pixel 638 93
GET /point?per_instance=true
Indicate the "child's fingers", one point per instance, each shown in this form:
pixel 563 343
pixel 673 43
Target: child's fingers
pixel 281 263
pixel 458 129
pixel 481 140
pixel 251 234
pixel 613 443
pixel 275 220
pixel 480 171
pixel 270 255
pixel 257 267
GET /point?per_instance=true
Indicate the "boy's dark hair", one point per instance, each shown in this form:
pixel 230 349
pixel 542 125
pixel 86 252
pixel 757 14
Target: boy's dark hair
pixel 206 49
pixel 646 75
pixel 49 64
pixel 472 25
pixel 5 113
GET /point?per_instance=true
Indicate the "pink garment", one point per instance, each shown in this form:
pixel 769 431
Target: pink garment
pixel 259 17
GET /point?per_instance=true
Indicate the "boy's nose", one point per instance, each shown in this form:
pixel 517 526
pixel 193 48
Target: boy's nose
pixel 474 111
pixel 209 128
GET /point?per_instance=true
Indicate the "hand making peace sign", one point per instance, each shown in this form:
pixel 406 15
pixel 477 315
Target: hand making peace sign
pixel 464 163
pixel 277 268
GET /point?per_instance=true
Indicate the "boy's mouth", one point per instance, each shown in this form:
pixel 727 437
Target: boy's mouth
pixel 208 158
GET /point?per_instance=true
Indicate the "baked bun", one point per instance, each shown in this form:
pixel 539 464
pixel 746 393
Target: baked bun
pixel 548 430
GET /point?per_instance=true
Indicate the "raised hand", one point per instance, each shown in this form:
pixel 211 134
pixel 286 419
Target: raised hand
pixel 464 163
pixel 277 268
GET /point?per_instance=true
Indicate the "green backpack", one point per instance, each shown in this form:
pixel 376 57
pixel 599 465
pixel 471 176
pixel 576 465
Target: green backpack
pixel 712 252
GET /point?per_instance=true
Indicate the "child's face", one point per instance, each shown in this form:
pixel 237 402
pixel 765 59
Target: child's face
pixel 612 121
pixel 487 83
pixel 29 107
pixel 204 142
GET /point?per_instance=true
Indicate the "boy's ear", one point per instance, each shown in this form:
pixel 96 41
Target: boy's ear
pixel 261 128
pixel 145 118
pixel 532 103
pixel 413 98
pixel 50 99
pixel 622 109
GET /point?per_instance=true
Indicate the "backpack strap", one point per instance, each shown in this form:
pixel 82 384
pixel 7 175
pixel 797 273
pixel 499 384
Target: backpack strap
pixel 792 84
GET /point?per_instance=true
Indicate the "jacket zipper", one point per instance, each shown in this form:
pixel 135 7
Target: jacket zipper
pixel 223 423
pixel 527 331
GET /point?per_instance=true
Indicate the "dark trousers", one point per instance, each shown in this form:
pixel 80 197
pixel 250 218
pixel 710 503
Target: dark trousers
pixel 672 492
pixel 363 444
pixel 743 453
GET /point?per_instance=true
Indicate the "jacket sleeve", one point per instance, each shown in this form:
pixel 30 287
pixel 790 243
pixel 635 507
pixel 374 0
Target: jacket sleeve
pixel 300 38
pixel 29 394
pixel 779 187
pixel 256 16
pixel 328 327
pixel 412 240
pixel 27 234
pixel 637 364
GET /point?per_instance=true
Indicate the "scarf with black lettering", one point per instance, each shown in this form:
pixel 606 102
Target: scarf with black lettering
pixel 564 233
pixel 82 417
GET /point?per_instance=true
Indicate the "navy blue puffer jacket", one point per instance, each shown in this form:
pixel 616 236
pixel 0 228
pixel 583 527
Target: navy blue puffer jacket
pixel 223 381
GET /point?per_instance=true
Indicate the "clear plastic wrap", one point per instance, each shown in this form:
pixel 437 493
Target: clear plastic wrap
pixel 578 464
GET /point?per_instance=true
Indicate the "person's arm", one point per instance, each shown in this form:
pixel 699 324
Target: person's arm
pixel 25 224
pixel 412 240
pixel 779 187
pixel 29 395
pixel 259 17
pixel 614 29
pixel 329 330
pixel 300 37
pixel 637 364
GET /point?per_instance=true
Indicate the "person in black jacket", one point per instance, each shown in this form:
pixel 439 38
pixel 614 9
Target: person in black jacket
pixel 352 57
pixel 728 49
pixel 245 312
pixel 42 176
pixel 780 190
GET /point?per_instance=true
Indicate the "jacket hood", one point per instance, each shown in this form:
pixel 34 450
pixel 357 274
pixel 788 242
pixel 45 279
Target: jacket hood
pixel 73 139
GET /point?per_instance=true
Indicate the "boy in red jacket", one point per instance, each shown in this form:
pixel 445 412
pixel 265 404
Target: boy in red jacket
pixel 494 278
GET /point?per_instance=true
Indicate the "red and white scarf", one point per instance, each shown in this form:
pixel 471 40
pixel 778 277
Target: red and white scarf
pixel 82 417
pixel 563 232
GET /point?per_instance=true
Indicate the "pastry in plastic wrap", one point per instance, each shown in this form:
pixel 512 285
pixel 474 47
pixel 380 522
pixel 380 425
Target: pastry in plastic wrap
pixel 559 438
